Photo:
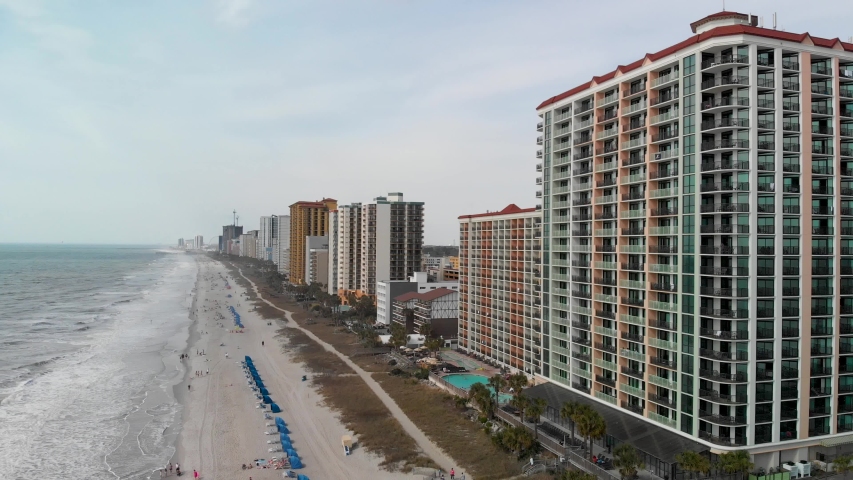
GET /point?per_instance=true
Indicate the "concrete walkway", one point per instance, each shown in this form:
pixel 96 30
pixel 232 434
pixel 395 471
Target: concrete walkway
pixel 429 448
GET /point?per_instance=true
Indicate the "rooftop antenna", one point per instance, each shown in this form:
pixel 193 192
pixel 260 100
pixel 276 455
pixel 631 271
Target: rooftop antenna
pixel 774 20
pixel 234 221
pixel 237 221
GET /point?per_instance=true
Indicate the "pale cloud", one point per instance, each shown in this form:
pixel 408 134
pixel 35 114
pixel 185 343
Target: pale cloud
pixel 60 39
pixel 148 121
pixel 233 13
pixel 23 8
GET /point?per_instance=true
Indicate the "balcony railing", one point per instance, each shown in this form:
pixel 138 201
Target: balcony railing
pixel 725 102
pixel 724 60
pixel 724 312
pixel 725 123
pixel 722 377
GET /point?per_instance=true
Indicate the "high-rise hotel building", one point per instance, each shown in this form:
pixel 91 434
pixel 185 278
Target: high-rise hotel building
pixel 499 294
pixel 345 250
pixel 392 241
pixel 307 219
pixel 698 237
pixel 374 242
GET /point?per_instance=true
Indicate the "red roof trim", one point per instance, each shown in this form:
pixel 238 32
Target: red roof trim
pixel 510 209
pixel 426 296
pixel 716 16
pixel 309 204
pixel 724 31
pixel 406 297
pixel 437 293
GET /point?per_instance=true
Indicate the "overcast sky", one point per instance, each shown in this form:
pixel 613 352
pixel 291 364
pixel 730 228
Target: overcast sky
pixel 142 122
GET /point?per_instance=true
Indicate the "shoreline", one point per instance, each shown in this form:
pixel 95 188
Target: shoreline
pixel 178 389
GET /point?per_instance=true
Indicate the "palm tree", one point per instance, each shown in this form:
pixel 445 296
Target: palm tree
pixel 398 335
pixel 521 402
pixel 534 410
pixel 591 425
pixel 482 396
pixel 497 382
pixel 843 464
pixel 576 475
pixel 517 382
pixel 736 462
pixel 691 461
pixel 567 412
pixel 627 460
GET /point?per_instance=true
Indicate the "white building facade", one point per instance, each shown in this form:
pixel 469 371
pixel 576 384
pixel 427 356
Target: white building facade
pixel 417 283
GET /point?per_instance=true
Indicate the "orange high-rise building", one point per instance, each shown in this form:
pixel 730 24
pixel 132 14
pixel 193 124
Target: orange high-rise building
pixel 307 219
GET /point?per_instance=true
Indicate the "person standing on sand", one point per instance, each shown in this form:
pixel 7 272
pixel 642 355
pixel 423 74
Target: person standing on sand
pixel 452 474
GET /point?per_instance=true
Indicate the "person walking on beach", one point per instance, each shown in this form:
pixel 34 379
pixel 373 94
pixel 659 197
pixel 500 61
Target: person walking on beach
pixel 452 474
pixel 195 474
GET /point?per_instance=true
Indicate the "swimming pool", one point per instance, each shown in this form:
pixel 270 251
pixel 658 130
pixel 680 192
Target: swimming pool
pixel 466 380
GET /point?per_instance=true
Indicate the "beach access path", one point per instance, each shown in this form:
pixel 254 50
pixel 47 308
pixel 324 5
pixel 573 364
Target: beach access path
pixel 222 429
pixel 429 448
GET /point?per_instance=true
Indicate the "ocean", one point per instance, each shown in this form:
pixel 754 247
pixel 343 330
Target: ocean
pixel 89 342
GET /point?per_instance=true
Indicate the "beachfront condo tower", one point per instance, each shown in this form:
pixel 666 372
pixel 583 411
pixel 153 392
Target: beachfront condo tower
pixel 380 241
pixel 392 240
pixel 698 239
pixel 307 219
pixel 499 258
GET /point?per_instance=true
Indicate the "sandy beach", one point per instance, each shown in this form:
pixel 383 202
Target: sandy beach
pixel 222 428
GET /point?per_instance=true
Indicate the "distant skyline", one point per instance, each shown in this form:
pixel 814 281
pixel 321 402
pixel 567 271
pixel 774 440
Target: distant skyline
pixel 145 122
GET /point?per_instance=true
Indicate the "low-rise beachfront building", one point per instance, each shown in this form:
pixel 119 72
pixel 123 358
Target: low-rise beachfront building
pixel 439 308
pixel 387 291
pixel 315 247
pixel 499 286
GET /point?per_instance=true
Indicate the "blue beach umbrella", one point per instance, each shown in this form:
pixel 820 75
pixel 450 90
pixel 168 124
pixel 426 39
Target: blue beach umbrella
pixel 275 408
pixel 267 399
pixel 285 444
pixel 283 429
pixel 302 477
pixel 291 452
pixel 295 462
pixel 279 421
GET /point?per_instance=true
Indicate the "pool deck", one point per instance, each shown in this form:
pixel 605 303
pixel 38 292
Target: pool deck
pixel 468 363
